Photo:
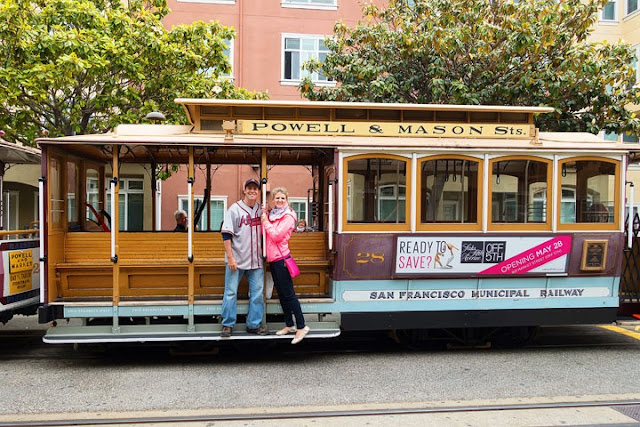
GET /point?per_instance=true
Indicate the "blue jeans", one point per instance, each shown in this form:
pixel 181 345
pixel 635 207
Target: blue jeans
pixel 286 293
pixel 230 299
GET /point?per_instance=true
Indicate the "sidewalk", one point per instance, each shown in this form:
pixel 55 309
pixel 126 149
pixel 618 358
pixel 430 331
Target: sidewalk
pixel 576 411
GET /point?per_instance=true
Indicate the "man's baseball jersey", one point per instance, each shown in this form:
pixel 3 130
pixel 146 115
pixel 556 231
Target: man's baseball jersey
pixel 243 223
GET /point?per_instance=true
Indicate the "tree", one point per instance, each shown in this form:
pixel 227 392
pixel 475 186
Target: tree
pixel 493 52
pixel 78 66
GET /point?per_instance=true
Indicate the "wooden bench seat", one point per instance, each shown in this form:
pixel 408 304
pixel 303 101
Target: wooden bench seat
pixel 155 264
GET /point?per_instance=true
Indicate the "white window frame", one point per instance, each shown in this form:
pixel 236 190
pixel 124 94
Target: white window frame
pixel 308 4
pixel 395 197
pixel 231 46
pixel 228 76
pixel 124 190
pixel 183 198
pixel 627 12
pixel 8 206
pixel 295 82
pixel 305 202
pixel 604 20
pixel 36 211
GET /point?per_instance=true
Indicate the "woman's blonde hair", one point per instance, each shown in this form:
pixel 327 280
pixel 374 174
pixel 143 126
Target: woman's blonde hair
pixel 280 190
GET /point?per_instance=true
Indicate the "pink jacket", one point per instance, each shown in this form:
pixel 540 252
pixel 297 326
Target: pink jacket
pixel 278 233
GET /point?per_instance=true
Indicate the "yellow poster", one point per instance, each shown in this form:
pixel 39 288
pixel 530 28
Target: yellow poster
pixel 20 271
pixel 20 260
pixel 20 282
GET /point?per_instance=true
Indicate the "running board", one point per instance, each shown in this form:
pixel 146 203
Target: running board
pixel 159 333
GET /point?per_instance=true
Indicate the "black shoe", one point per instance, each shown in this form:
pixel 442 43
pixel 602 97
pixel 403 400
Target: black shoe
pixel 260 330
pixel 226 331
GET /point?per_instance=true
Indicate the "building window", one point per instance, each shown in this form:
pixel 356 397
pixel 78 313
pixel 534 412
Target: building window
pixel 519 191
pixel 619 137
pixel 377 189
pixel 228 52
pixel 11 206
pixel 632 6
pixel 608 12
pixel 72 189
pixel 299 205
pixel 298 50
pixel 218 206
pixel 130 204
pixel 589 191
pixel 311 4
pixel 449 191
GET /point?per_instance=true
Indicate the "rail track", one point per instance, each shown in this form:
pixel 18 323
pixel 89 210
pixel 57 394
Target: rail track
pixel 628 405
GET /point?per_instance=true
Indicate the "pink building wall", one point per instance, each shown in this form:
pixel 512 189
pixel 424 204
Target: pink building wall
pixel 257 65
pixel 259 25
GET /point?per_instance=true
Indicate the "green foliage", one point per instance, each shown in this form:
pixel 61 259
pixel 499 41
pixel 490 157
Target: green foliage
pixel 78 66
pixel 491 52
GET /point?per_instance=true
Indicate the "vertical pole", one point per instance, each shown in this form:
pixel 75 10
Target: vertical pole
pixel 158 197
pixel 41 235
pixel 308 213
pixel 342 202
pixel 263 176
pixel 153 197
pixel 191 278
pixel 330 225
pixel 631 215
pixel 621 172
pixel 208 202
pixel 263 181
pixel 414 191
pixel 556 181
pixel 2 206
pixel 115 231
pixel 485 193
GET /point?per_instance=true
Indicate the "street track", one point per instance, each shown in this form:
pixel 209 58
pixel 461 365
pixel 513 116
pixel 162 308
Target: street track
pixel 305 415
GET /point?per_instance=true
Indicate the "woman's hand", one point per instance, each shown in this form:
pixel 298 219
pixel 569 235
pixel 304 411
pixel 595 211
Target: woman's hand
pixel 264 217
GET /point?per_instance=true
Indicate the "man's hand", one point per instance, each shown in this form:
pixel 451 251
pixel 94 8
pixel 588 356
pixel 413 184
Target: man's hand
pixel 232 263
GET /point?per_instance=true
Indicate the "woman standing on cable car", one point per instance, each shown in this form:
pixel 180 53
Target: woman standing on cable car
pixel 278 226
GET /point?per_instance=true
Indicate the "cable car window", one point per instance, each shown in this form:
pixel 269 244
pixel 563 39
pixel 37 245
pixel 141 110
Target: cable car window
pixel 55 193
pixel 592 185
pixel 449 191
pixel 519 191
pixel 93 199
pixel 72 186
pixel 376 190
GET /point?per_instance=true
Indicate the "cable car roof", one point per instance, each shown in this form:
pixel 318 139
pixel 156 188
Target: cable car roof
pixel 18 154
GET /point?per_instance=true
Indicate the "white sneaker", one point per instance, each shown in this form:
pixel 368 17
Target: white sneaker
pixel 286 330
pixel 300 335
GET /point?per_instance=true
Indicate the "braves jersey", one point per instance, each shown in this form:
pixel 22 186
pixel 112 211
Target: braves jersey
pixel 243 223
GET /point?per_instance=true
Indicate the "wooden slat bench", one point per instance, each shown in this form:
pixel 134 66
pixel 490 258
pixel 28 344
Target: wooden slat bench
pixel 155 264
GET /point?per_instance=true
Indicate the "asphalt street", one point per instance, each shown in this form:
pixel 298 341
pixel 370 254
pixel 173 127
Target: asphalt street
pixel 563 364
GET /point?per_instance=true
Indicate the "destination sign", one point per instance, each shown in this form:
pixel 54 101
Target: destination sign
pixel 421 130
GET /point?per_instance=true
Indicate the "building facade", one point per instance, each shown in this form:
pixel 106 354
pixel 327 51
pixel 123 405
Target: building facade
pixel 619 21
pixel 273 39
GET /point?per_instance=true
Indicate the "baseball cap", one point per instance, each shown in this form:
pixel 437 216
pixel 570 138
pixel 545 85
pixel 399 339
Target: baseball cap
pixel 252 181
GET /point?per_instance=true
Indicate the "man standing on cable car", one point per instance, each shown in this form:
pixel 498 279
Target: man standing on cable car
pixel 241 235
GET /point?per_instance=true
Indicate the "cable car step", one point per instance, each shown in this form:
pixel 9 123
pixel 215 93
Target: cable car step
pixel 158 333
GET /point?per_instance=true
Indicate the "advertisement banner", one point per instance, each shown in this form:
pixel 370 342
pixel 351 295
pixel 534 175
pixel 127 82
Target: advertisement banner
pixel 491 255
